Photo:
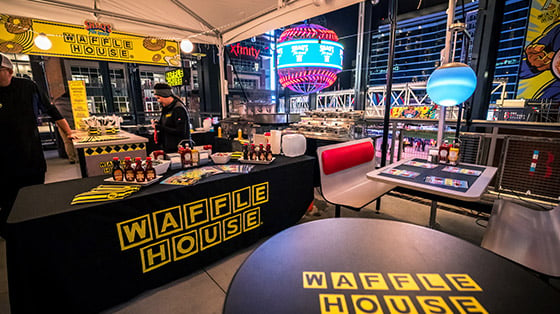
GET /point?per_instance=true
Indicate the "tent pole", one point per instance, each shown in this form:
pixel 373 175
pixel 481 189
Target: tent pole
pixel 388 96
pixel 446 58
pixel 222 77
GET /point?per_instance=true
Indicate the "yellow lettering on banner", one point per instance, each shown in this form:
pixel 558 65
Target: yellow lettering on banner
pixel 403 281
pixel 333 304
pixel 314 280
pixel 94 41
pixel 106 42
pixel 155 255
pixel 185 245
pixel 260 193
pixel 82 39
pixel 113 52
pixel 463 282
pixel 252 219
pixel 196 213
pixel 232 227
pixel 101 51
pixel 241 199
pixel 221 205
pixel 433 282
pixel 168 221
pixel 69 37
pixel 75 49
pixel 433 305
pixel 344 280
pixel 124 54
pixel 366 304
pixel 134 232
pixel 468 305
pixel 88 50
pixel 210 235
pixel 400 304
pixel 117 43
pixel 373 281
pixel 127 44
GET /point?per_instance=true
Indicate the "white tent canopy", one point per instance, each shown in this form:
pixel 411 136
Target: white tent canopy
pixel 219 22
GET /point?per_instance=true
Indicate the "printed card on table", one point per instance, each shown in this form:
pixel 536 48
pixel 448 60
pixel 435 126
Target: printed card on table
pixel 470 172
pixel 402 173
pixel 460 184
pixel 426 165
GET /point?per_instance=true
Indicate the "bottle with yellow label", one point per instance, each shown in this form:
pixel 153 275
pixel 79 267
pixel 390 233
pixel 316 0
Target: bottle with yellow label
pixel 219 131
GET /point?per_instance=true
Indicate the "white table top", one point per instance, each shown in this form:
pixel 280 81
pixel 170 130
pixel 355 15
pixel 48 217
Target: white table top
pixel 473 193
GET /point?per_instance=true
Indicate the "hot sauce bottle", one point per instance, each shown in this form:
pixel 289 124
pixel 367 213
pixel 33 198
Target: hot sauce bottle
pixel 117 170
pixel 268 153
pixel 262 154
pixel 246 151
pixel 128 170
pixel 139 173
pixel 150 170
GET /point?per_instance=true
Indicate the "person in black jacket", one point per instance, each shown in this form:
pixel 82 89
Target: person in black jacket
pixel 22 159
pixel 173 125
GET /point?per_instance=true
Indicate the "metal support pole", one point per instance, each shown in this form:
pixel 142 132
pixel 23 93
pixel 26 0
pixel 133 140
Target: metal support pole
pixel 392 34
pixel 221 59
pixel 446 58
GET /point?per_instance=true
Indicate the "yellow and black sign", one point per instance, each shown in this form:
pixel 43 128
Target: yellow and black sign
pixel 78 98
pixel 88 41
pixel 410 293
pixel 177 77
pixel 177 232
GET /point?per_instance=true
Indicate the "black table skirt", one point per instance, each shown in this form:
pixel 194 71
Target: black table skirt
pixel 86 258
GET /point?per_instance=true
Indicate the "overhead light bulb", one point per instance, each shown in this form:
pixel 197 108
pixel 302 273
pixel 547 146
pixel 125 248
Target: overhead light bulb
pixel 43 42
pixel 187 46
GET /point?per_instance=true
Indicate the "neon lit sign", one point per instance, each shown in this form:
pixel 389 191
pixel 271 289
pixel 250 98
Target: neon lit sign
pixel 310 53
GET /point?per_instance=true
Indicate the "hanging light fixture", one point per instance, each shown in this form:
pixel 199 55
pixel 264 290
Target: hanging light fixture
pixel 187 46
pixel 43 42
pixel 451 84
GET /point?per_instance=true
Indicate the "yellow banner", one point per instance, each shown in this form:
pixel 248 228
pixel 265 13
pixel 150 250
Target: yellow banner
pixel 78 98
pixel 94 41
pixel 539 75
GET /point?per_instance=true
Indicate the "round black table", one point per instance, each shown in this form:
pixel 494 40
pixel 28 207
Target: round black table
pixel 352 265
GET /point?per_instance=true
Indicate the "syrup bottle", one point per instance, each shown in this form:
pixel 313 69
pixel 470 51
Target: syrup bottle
pixel 139 173
pixel 252 153
pixel 268 153
pixel 262 154
pixel 118 173
pixel 195 157
pixel 128 170
pixel 150 170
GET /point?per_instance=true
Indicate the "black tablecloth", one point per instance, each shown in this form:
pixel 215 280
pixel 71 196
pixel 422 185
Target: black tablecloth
pixel 85 258
pixel 349 265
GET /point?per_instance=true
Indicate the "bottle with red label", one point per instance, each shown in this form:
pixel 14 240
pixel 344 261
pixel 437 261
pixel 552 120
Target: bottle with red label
pixel 268 153
pixel 444 152
pixel 139 173
pixel 128 170
pixel 118 173
pixel 150 170
pixel 262 153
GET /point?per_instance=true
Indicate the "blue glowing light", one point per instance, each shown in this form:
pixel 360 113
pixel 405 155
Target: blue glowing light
pixel 451 84
pixel 310 53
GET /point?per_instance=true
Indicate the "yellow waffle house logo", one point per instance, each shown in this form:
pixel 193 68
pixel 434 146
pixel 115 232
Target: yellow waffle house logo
pixel 175 233
pixel 364 292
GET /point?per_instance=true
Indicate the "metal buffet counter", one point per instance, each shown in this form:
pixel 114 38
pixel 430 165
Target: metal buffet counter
pixel 96 152
pixel 89 257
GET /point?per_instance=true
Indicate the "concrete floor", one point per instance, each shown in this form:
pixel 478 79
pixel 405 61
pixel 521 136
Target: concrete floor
pixel 204 291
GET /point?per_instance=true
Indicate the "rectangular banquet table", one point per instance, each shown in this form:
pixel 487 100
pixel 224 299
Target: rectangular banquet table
pixel 86 258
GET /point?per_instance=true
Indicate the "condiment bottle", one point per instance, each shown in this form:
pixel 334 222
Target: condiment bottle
pixel 268 152
pixel 128 170
pixel 252 153
pixel 239 134
pixel 118 173
pixel 186 157
pixel 443 152
pixel 246 151
pixel 262 153
pixel 219 131
pixel 139 173
pixel 195 157
pixel 150 170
